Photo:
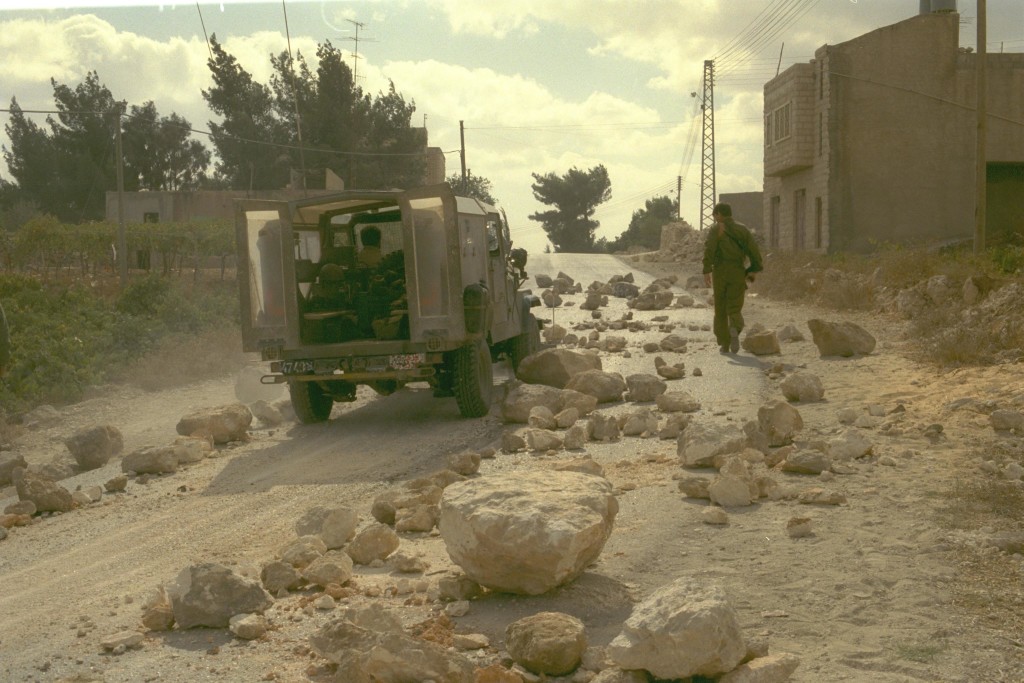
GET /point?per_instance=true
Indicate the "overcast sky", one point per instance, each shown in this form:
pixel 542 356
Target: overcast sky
pixel 542 85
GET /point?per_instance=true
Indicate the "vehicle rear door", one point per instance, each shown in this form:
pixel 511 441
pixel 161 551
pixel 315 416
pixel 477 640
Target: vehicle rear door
pixel 432 269
pixel 266 277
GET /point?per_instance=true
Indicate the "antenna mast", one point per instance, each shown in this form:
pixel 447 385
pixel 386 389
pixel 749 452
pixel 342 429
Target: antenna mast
pixel 355 51
pixel 707 178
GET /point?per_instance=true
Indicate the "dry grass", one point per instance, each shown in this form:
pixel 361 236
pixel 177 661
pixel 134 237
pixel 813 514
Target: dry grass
pixel 184 359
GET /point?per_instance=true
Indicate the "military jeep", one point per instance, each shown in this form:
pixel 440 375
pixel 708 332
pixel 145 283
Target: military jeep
pixel 382 288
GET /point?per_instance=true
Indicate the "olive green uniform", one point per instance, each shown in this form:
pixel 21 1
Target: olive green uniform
pixel 725 257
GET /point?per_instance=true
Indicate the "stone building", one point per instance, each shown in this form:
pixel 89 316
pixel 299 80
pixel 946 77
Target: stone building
pixel 873 141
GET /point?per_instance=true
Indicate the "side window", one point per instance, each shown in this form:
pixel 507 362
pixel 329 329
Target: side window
pixel 493 236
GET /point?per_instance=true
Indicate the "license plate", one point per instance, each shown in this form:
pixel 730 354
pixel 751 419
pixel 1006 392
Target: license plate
pixel 406 361
pixel 296 367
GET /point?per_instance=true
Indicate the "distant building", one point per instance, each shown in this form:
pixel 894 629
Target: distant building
pixel 873 141
pixel 747 207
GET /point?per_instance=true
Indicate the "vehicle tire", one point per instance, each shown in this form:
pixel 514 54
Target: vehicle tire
pixel 524 344
pixel 474 379
pixel 310 402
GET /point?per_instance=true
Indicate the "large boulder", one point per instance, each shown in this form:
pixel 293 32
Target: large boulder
pixel 335 526
pixel 210 594
pixel 699 443
pixel 677 402
pixel 780 422
pixel 151 460
pixel 643 387
pixel 527 532
pixel 221 424
pixel 375 542
pixel 802 386
pixel 92 447
pixel 549 643
pixel 369 645
pixel 554 367
pixel 606 387
pixel 684 629
pixel 761 343
pixel 46 494
pixel 840 339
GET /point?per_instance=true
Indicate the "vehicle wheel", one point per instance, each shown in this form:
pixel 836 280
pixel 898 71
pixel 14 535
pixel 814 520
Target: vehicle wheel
pixel 310 402
pixel 474 378
pixel 525 344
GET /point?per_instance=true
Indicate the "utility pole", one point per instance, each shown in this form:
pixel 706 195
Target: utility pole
pixel 981 167
pixel 707 178
pixel 679 196
pixel 295 98
pixel 122 240
pixel 462 150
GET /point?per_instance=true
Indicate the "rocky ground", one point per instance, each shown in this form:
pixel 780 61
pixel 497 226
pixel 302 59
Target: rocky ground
pixel 870 583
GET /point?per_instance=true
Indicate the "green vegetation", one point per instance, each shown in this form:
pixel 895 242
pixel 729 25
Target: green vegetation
pixel 574 197
pixel 70 332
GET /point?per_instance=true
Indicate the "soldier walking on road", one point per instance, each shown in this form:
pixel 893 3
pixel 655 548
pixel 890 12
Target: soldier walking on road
pixel 729 246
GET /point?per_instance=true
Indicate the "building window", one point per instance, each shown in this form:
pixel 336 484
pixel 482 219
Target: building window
pixel 768 129
pixel 821 79
pixel 781 121
pixel 799 211
pixel 818 220
pixel 773 223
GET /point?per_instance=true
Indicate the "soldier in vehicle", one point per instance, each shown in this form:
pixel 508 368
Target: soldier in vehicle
pixel 370 255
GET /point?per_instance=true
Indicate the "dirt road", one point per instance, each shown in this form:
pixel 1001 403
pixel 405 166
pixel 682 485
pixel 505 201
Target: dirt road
pixel 866 598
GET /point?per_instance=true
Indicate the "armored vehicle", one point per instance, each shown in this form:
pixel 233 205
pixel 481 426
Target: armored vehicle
pixel 382 288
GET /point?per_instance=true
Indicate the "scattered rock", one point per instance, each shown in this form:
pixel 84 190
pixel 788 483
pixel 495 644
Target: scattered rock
pixel 222 424
pixel 700 443
pixel 116 484
pixel 157 613
pixel 247 626
pixel 799 527
pixel 46 494
pixel 770 669
pixel 803 387
pixel 151 460
pixel 465 463
pixel 93 447
pixel 375 542
pixel 491 528
pixel 606 387
pixel 780 422
pixel 643 388
pixel 677 402
pixel 7 468
pixel 210 594
pixel 335 526
pixel 555 367
pixel 840 339
pixel 684 629
pixel 280 576
pixel 547 643
pixel 761 343
pixel 121 641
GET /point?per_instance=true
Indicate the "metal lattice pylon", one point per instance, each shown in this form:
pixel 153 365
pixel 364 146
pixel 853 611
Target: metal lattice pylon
pixel 707 177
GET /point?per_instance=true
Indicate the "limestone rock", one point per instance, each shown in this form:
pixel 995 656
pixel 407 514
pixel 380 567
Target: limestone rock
pixel 677 371
pixel 541 417
pixel 806 462
pixel 684 629
pixel 583 403
pixel 729 491
pixel 221 424
pixel 643 387
pixel 335 526
pixel 544 281
pixel 652 301
pixel 714 516
pixel 420 518
pixel 567 418
pixel 674 425
pixel 1006 420
pixel 465 463
pixel 248 626
pixel 157 613
pixel 267 414
pixel 639 423
pixel 555 367
pixel 840 339
pixel 542 440
pixel 820 496
pixel 606 387
pixel 601 427
pixel 93 447
pixel 375 542
pixel 677 402
pixel 191 449
pixel 780 422
pixel 369 645
pixel 761 343
pixel 769 669
pixel 333 567
pixel 512 441
pixel 699 443
pixel 210 594
pixel 151 460
pixel 695 487
pixel 116 484
pixel 850 444
pixel 674 343
pixel 121 641
pixel 522 397
pixel 789 333
pixel 303 550
pixel 46 494
pixel 548 643
pixel 492 529
pixel 277 576
pixel 22 507
pixel 575 438
pixel 803 387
